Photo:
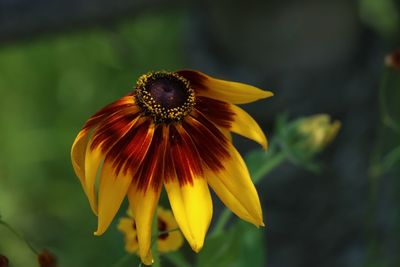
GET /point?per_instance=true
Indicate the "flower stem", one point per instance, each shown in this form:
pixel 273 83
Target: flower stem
pixel 12 230
pixel 258 174
pixel 122 261
pixel 270 165
pixel 154 249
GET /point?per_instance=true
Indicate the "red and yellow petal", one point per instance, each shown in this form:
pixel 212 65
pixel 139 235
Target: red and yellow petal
pixel 210 142
pixel 235 188
pixel 116 106
pixel 232 118
pixel 100 132
pixel 186 188
pixel 232 92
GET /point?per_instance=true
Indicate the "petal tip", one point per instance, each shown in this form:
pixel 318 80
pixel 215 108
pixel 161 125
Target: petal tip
pixel 267 94
pixel 100 231
pixel 147 259
pixel 97 233
pixel 197 247
pixel 264 145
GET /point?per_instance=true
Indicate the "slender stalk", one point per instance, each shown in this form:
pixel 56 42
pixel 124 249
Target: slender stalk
pixel 385 114
pixel 154 248
pixel 122 261
pixel 375 247
pixel 18 235
pixel 270 165
pixel 176 259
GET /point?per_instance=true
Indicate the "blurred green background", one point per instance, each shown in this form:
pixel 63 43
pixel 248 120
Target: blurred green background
pixel 59 63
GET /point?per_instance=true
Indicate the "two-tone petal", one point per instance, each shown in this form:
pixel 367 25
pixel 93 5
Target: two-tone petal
pixel 232 92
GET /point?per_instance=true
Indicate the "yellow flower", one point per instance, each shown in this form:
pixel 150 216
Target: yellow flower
pixel 172 130
pixel 318 130
pixel 169 237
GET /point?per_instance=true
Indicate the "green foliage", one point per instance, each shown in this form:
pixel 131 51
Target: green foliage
pixel 382 15
pixel 49 88
pixel 240 246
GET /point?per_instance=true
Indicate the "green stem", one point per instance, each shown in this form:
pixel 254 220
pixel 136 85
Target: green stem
pixel 222 221
pixel 12 230
pixel 386 117
pixel 154 249
pixel 177 259
pixel 273 162
pixel 122 261
pixel 270 165
pixel 390 159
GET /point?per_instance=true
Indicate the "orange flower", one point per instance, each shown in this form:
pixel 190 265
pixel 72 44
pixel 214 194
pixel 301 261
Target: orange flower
pixel 172 130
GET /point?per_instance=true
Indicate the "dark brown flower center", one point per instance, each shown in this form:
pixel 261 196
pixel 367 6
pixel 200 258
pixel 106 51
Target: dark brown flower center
pixel 165 96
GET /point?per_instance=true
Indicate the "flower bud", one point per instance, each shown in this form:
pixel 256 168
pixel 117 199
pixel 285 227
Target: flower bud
pixel 317 131
pixel 47 259
pixel 3 261
pixel 393 60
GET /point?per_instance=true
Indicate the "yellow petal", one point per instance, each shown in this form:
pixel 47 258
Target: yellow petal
pixel 125 225
pixel 174 239
pixel 192 208
pixel 78 151
pixel 246 126
pixel 143 205
pixel 93 159
pixel 236 189
pixel 131 244
pixel 172 242
pixel 86 164
pixel 233 92
pixel 112 190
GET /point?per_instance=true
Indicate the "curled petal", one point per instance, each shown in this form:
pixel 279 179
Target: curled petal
pixel 86 163
pixel 235 188
pixel 143 204
pixel 192 208
pixel 93 159
pixel 78 156
pixel 233 92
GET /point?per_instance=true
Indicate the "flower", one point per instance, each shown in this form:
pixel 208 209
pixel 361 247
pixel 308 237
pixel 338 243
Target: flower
pixel 318 131
pixel 169 238
pixel 393 60
pixel 3 261
pixel 47 259
pixel 172 130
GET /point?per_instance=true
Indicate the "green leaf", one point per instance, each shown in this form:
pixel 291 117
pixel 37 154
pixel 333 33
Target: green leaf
pixel 241 246
pixel 176 258
pixel 253 250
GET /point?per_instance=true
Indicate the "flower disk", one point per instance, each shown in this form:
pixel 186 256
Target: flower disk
pixel 165 96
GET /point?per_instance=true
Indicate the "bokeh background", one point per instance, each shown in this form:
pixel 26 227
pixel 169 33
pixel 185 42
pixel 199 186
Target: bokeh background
pixel 60 61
